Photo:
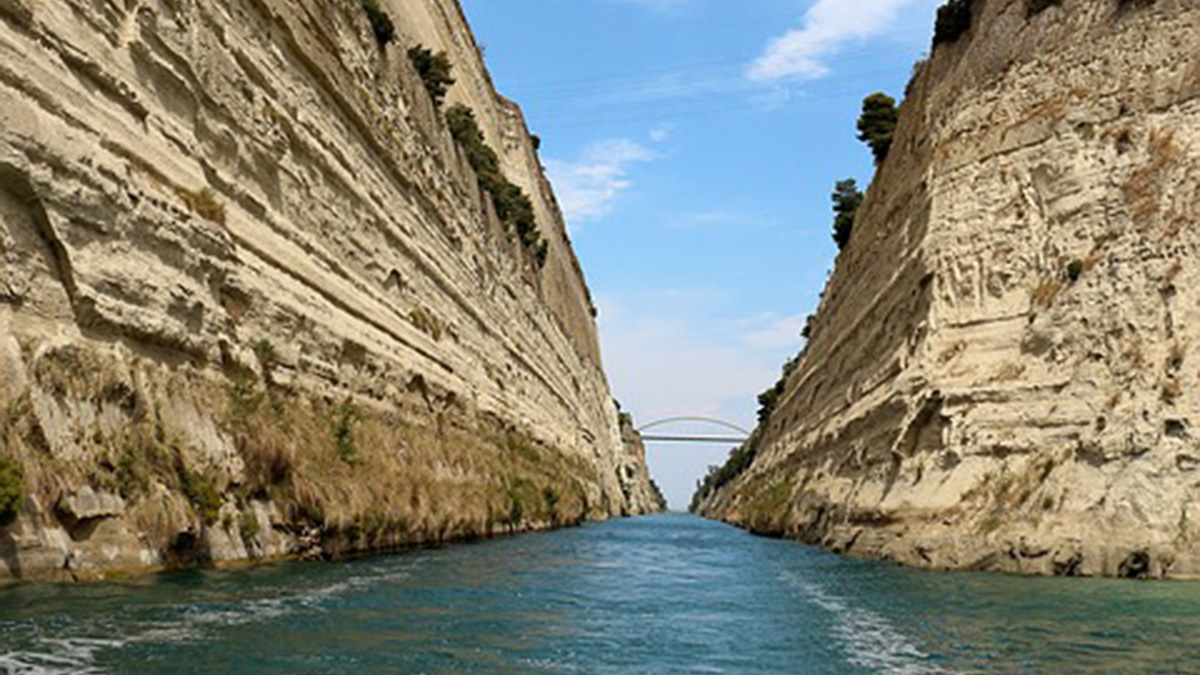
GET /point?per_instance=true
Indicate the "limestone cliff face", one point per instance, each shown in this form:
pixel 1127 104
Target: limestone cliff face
pixel 641 487
pixel 254 303
pixel 1003 368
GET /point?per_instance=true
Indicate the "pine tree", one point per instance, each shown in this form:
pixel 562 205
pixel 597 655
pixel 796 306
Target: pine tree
pixel 877 124
pixel 846 200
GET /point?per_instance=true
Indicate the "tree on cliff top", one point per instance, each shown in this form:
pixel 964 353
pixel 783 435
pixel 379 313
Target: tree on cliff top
pixel 435 71
pixel 953 20
pixel 846 200
pixel 877 124
pixel 381 23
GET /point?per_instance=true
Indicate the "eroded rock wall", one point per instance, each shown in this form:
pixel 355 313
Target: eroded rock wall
pixel 1002 369
pixel 253 302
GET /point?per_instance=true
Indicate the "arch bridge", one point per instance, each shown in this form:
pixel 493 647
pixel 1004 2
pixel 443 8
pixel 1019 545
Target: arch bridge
pixel 729 426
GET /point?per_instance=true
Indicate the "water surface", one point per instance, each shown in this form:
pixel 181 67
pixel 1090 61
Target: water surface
pixel 657 595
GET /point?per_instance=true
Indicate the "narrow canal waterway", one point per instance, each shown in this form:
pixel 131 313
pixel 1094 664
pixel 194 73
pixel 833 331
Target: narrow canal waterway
pixel 657 595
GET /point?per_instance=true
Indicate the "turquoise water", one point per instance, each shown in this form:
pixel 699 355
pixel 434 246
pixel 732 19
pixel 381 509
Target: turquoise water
pixel 658 595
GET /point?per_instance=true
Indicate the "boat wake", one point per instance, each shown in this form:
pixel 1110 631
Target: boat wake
pixel 78 654
pixel 868 639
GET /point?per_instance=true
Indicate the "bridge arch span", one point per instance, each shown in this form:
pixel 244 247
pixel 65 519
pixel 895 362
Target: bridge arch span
pixel 745 433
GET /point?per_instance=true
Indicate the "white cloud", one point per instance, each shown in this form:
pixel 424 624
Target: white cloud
pixel 661 133
pixel 828 24
pixel 588 186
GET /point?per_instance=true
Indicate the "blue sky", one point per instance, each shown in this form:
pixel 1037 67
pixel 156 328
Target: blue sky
pixel 694 145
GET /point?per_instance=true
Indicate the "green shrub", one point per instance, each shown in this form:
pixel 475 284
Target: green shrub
pixel 846 201
pixel 381 23
pixel 248 526
pixel 135 466
pixel 435 71
pixel 345 417
pixel 202 493
pixel 513 206
pixel 877 124
pixel 12 491
pixel 740 459
pixel 1075 270
pixel 264 351
pixel 953 20
pixel 465 129
pixel 515 510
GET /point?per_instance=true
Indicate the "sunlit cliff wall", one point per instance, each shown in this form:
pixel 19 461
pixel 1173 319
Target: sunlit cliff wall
pixel 1002 372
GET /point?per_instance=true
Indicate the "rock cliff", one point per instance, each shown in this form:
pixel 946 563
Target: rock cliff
pixel 1002 371
pixel 255 303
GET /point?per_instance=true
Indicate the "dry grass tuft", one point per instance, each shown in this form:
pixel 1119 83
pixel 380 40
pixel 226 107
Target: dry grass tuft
pixel 1144 188
pixel 1009 372
pixel 1044 294
pixel 205 204
pixel 1172 390
pixel 952 352
pixel 426 322
pixel 1134 355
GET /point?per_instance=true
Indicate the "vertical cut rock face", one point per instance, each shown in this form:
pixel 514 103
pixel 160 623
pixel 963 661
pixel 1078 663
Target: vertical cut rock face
pixel 254 303
pixel 1002 371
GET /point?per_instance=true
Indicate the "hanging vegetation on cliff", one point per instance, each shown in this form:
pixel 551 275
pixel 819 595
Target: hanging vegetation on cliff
pixel 513 206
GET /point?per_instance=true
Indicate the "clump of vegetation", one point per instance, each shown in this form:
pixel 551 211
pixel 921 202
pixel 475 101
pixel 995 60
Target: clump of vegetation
pixel 847 198
pixel 1172 390
pixel 202 493
pixel 1075 270
pixel 771 397
pixel 1046 291
pixel 435 71
pixel 12 491
pixel 248 526
pixel 264 351
pixel 426 322
pixel 877 124
pixel 381 23
pixel 515 510
pixel 550 497
pixel 953 20
pixel 810 321
pixel 740 459
pixel 513 206
pixel 1035 7
pixel 136 465
pixel 345 416
pixel 205 204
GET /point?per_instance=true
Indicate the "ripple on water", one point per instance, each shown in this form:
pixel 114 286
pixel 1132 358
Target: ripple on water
pixel 655 596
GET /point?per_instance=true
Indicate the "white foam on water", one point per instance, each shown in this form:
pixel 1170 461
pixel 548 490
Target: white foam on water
pixel 868 639
pixel 77 655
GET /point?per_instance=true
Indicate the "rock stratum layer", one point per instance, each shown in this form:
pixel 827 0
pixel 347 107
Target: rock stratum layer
pixel 254 303
pixel 1002 370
